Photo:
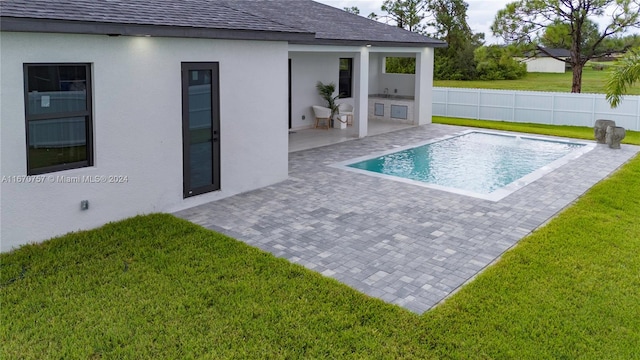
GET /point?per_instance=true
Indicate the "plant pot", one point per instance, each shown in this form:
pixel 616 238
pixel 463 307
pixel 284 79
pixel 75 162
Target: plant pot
pixel 340 122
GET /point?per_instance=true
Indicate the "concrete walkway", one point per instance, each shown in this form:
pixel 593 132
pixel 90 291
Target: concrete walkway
pixel 405 244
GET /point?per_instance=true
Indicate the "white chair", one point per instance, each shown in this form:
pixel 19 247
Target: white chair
pixel 322 113
pixel 346 110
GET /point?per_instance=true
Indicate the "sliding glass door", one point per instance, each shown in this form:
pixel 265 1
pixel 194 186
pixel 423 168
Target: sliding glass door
pixel 200 128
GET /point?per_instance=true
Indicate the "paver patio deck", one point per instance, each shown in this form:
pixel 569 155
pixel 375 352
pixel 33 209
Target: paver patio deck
pixel 405 244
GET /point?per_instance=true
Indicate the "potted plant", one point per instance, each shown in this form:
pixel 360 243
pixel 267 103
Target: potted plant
pixel 326 92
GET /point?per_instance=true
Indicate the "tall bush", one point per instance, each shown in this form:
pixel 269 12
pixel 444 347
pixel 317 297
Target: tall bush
pixel 496 62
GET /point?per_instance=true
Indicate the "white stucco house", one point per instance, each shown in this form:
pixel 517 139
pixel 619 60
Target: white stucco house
pixel 547 61
pixel 112 108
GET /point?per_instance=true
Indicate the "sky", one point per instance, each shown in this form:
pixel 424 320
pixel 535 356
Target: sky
pixel 480 13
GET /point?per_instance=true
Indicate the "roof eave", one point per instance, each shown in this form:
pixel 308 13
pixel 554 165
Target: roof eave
pixel 344 42
pixel 115 29
pixel 19 24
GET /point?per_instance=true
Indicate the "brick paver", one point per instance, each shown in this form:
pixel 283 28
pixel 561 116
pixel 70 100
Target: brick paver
pixel 405 244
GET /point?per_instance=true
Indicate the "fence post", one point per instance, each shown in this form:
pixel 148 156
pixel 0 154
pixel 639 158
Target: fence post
pixel 513 107
pixel 553 109
pixel 446 103
pixel 593 109
pixel 638 114
pixel 478 109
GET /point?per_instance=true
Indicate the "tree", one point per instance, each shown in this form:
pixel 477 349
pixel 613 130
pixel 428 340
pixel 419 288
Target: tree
pixel 621 43
pixel 449 20
pixel 558 35
pixel 352 10
pixel 407 14
pixel 522 22
pixel 496 62
pixel 623 76
pixel 400 65
pixel 442 19
pixel 356 11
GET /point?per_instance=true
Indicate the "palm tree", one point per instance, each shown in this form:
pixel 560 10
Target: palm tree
pixel 623 76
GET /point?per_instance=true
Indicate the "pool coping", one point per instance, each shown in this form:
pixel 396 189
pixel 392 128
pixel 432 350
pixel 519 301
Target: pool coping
pixel 495 195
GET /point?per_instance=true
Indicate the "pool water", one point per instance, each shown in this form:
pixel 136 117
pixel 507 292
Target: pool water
pixel 474 163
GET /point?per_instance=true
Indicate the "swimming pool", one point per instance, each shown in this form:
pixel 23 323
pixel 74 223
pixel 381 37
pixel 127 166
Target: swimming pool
pixel 483 164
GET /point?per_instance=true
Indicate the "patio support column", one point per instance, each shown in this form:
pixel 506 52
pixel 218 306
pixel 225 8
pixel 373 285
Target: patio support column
pixel 361 90
pixel 424 87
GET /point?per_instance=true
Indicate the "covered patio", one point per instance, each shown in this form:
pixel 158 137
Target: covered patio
pixel 384 101
pixel 312 138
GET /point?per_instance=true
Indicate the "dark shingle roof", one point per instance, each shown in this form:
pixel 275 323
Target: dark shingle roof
pixel 142 14
pixel 332 25
pixel 553 52
pixel 297 21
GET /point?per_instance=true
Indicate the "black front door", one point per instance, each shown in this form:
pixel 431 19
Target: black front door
pixel 200 128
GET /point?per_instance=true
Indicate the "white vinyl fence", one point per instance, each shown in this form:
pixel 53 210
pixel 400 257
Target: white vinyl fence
pixel 535 107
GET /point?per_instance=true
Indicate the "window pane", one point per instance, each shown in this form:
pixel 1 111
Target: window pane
pixel 56 89
pixel 345 87
pixel 57 141
pixel 344 64
pixel 200 128
pixel 345 77
pixel 400 65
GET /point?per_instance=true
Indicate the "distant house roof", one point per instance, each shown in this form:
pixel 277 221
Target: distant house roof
pixel 296 21
pixel 561 53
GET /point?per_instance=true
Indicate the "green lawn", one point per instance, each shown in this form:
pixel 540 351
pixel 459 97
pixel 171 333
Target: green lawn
pixel 578 132
pixel 158 287
pixel 593 81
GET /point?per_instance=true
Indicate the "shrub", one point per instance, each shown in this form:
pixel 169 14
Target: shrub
pixel 497 63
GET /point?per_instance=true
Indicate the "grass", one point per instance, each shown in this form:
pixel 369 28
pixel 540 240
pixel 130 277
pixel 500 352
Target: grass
pixel 571 290
pixel 593 81
pixel 159 287
pixel 578 132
